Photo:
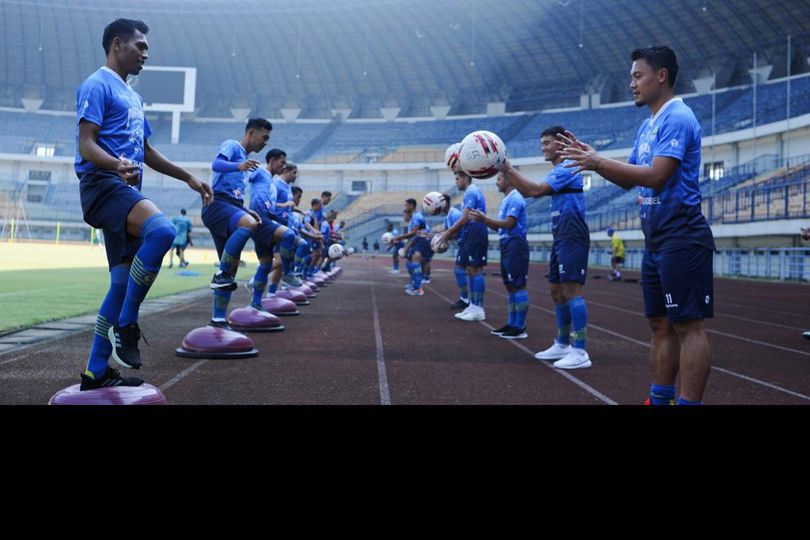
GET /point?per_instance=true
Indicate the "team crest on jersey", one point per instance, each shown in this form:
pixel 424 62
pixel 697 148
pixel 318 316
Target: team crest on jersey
pixel 674 143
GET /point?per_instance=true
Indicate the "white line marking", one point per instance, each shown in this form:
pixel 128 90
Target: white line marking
pixel 177 378
pixel 769 385
pixel 385 396
pixel 594 392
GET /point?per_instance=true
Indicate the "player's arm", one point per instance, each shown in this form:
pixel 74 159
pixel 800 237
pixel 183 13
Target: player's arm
pixel 90 150
pixel 222 164
pixel 526 187
pixel 453 231
pixel 508 223
pixel 405 236
pixel 288 204
pixel 585 158
pixel 157 161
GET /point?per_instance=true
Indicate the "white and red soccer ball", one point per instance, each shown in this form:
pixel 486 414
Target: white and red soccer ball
pixel 451 156
pixel 432 203
pixel 481 154
pixel 437 245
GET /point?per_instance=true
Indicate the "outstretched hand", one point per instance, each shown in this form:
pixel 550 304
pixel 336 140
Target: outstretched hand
pixel 206 194
pixel 583 156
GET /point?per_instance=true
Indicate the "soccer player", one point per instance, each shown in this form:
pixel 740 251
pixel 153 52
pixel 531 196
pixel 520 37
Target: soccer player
pixel 512 227
pixel 328 239
pixel 303 249
pixel 394 247
pixel 453 215
pixel 113 145
pixel 182 239
pixel 417 251
pixel 311 224
pixel 617 256
pixel 568 265
pixel 473 244
pixel 263 199
pixel 230 224
pixel 676 274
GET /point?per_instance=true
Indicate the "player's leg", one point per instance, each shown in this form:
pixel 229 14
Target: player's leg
pixel 259 282
pixel 510 321
pixel 171 257
pixel 243 225
pixel 562 343
pixel 664 345
pixel 517 271
pixel 415 267
pixel 284 238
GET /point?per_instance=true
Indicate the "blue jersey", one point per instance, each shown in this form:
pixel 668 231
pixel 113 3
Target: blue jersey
pixel 567 205
pixel 513 205
pixel 294 222
pixel 262 193
pixel 311 218
pixel 671 218
pixel 319 214
pixel 183 226
pixel 452 217
pixel 417 223
pixel 231 185
pixel 284 195
pixel 107 101
pixel 326 231
pixel 474 199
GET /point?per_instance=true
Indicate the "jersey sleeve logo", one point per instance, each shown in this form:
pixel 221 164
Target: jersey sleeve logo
pixel 674 143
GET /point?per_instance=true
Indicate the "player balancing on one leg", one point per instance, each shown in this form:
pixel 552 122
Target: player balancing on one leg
pixel 319 213
pixel 303 251
pixel 512 227
pixel 328 239
pixel 263 198
pixel 113 144
pixel 473 245
pixel 568 265
pixel 676 273
pixel 616 256
pixel 284 265
pixel 311 225
pixel 417 251
pixel 230 224
pixel 182 239
pixel 393 248
pixel 452 216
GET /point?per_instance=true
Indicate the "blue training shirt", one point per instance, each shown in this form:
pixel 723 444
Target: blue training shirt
pixel 326 231
pixel 183 226
pixel 294 222
pixel 474 199
pixel 452 217
pixel 284 195
pixel 513 205
pixel 262 193
pixel 417 223
pixel 107 101
pixel 567 209
pixel 672 218
pixel 232 184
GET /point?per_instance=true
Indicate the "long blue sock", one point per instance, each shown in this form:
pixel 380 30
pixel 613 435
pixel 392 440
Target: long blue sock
pixel 272 288
pixel 300 256
pixel 511 321
pixel 260 282
pixel 477 287
pixel 158 234
pixel 563 323
pixel 417 276
pixel 396 265
pixel 233 250
pixel 579 318
pixel 287 251
pixel 461 282
pixel 411 268
pixel 521 308
pixel 682 401
pixel 662 394
pixel 308 266
pixel 221 301
pixel 107 314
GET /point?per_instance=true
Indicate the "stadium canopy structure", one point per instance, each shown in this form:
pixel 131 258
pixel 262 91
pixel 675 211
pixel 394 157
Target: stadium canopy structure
pixel 379 58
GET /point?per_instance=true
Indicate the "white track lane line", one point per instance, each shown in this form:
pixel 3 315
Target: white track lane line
pixel 180 376
pixel 382 378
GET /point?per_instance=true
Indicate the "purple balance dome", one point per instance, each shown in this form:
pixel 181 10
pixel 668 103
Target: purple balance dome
pixel 280 306
pixel 145 394
pixel 249 320
pixel 296 297
pixel 210 342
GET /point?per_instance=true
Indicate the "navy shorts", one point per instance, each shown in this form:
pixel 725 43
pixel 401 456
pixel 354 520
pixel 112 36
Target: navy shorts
pixel 106 203
pixel 222 217
pixel 515 263
pixel 678 284
pixel 421 245
pixel 473 250
pixel 568 262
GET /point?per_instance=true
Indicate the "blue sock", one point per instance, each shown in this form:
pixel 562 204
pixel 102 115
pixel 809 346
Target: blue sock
pixel 157 234
pixel 511 321
pixel 107 314
pixel 221 301
pixel 682 401
pixel 417 276
pixel 461 282
pixel 308 266
pixel 521 308
pixel 396 265
pixel 411 268
pixel 300 257
pixel 273 288
pixel 579 318
pixel 662 394
pixel 287 251
pixel 477 287
pixel 563 323
pixel 233 250
pixel 260 282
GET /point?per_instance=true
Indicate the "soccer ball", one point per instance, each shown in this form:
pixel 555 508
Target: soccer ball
pixel 437 245
pixel 335 251
pixel 387 237
pixel 451 156
pixel 350 251
pixel 481 153
pixel 401 252
pixel 432 203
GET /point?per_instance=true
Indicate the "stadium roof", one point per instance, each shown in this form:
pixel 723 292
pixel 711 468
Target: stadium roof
pixel 319 55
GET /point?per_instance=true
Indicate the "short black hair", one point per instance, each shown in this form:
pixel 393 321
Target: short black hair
pixel 183 211
pixel 315 201
pixel 326 194
pixel 296 191
pixel 659 57
pixel 274 153
pixel 553 131
pixel 290 166
pixel 258 123
pixel 411 202
pixel 123 29
pixel 389 227
pixel 446 197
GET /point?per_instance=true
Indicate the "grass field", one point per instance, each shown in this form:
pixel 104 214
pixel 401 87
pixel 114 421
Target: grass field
pixel 42 282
